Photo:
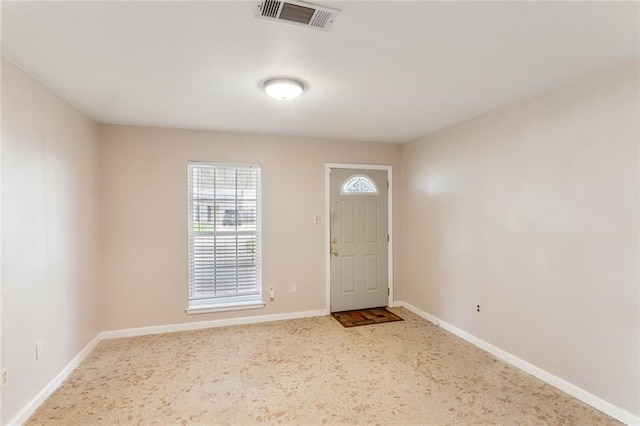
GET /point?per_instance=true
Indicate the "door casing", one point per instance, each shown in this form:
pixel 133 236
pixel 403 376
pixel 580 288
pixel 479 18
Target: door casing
pixel 327 224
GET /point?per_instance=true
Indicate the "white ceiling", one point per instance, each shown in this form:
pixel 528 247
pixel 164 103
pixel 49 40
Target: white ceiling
pixel 385 71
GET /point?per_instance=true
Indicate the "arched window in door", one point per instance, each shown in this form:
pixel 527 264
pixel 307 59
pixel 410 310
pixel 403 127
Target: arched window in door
pixel 359 184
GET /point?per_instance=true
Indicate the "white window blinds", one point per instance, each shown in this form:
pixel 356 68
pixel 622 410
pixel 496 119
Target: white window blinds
pixel 224 234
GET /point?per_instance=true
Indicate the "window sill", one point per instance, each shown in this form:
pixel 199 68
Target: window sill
pixel 224 308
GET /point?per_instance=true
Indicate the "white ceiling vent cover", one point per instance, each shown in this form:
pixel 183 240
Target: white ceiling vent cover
pixel 297 13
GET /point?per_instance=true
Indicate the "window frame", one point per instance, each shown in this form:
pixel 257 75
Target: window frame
pixel 361 176
pixel 235 302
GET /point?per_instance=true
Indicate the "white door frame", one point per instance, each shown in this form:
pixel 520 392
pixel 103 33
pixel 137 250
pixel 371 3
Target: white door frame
pixel 327 226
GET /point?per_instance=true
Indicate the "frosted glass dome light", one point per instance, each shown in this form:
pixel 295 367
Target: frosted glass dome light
pixel 283 89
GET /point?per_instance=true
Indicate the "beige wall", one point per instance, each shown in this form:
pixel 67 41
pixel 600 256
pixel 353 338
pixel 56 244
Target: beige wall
pixel 144 217
pixel 50 235
pixel 532 211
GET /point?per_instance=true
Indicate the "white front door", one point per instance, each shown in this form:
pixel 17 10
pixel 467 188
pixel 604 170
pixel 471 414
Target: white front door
pixel 359 239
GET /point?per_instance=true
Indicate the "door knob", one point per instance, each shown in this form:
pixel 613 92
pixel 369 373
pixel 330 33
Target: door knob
pixel 334 252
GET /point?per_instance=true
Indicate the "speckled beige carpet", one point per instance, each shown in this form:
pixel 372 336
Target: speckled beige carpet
pixel 306 372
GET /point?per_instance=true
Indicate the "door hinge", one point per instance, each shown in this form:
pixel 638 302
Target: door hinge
pixel 387 184
pixel 387 237
pixel 388 291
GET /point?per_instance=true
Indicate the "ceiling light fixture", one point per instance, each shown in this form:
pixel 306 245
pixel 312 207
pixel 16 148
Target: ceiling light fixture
pixel 284 89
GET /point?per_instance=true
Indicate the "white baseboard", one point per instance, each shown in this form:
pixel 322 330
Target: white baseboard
pixel 571 389
pixel 33 405
pixel 171 328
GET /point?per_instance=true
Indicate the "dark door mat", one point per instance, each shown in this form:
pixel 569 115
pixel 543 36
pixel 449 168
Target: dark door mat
pixel 365 317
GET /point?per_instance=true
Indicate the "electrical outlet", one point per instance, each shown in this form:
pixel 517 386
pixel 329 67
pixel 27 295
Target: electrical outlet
pixel 317 219
pixel 478 309
pixel 39 350
pixel 4 377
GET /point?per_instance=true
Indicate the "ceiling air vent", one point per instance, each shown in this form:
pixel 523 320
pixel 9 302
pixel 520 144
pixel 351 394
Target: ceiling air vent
pixel 298 13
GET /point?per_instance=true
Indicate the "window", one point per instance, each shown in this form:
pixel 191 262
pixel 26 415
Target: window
pixel 358 184
pixel 224 237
